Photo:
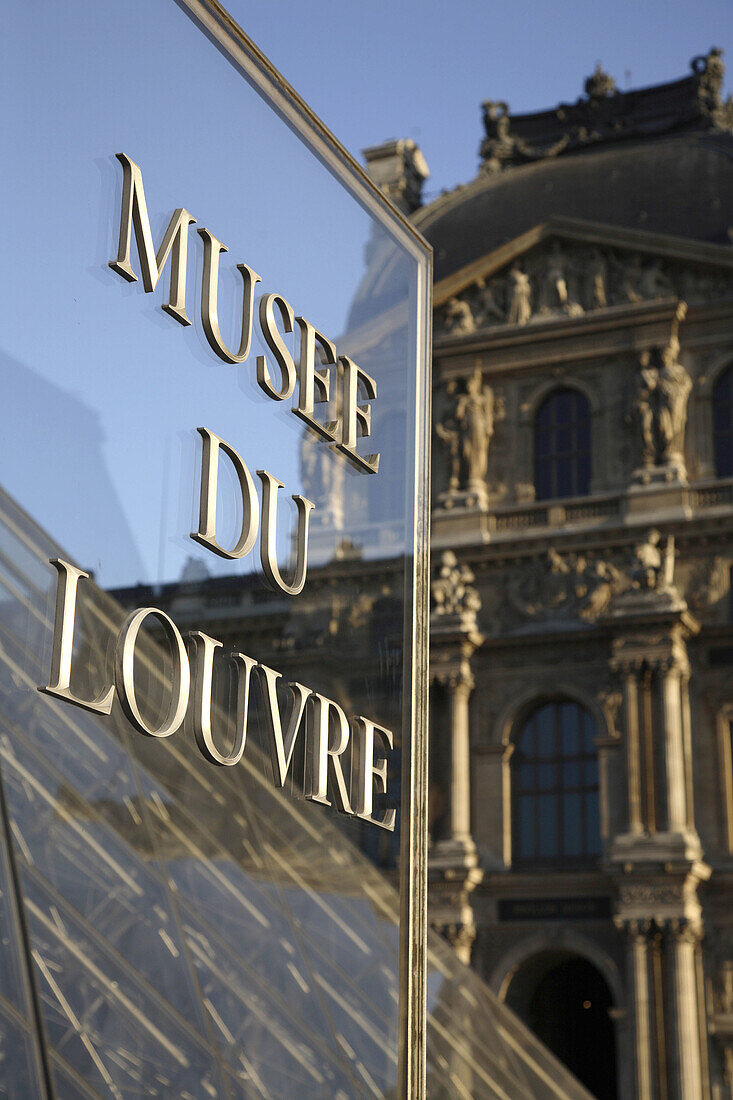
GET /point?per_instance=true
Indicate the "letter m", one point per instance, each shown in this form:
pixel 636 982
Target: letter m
pixel 175 240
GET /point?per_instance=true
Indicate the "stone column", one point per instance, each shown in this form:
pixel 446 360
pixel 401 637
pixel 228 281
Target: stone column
pixel 674 754
pixel 633 759
pixel 638 969
pixel 460 687
pixel 686 1071
pixel 453 871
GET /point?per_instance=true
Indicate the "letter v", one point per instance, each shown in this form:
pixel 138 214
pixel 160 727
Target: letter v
pixel 281 747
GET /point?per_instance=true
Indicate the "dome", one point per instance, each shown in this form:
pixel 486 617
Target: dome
pixel 657 159
pixel 671 186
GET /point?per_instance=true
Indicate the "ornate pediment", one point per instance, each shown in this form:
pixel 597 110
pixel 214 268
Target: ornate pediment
pixel 568 268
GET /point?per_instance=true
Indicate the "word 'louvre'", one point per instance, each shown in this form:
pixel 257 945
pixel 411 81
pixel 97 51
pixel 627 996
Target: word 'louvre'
pixel 276 318
pixel 328 731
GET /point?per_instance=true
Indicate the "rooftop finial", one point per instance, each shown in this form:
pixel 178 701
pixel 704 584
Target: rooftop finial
pixel 600 84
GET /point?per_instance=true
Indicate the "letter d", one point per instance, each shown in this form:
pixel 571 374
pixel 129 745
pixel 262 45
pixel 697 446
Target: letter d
pixel 206 533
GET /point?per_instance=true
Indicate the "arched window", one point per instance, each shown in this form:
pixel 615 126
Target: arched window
pixel 555 771
pixel 562 458
pixel 723 424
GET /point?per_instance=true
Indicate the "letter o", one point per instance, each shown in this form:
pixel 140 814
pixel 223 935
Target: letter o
pixel 125 672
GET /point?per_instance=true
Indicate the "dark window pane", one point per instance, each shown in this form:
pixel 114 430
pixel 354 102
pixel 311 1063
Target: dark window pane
pixel 525 818
pixel 546 776
pixel 723 424
pixel 547 822
pixel 571 774
pixel 592 823
pixel 556 785
pixel 562 445
pixel 545 732
pixel 572 825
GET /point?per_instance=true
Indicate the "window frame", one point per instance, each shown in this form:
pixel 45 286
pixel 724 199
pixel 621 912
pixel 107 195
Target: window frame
pixel 559 790
pixel 579 453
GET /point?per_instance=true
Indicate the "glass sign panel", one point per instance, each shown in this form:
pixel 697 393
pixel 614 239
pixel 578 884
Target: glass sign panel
pixel 213 565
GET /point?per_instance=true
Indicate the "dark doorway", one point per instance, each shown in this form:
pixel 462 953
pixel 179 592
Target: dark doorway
pixel 566 1002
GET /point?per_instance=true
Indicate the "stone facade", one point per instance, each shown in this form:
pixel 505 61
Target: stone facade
pixel 616 597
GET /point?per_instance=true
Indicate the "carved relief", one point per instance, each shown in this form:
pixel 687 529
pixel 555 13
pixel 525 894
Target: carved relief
pixel 708 584
pixel 452 589
pixel 563 586
pixel 566 278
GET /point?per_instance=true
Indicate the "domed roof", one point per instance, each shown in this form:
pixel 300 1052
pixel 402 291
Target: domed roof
pixel 658 159
pixel 681 186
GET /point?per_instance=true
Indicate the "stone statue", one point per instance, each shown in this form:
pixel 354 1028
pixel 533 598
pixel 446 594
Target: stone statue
pixel 458 318
pixel 488 305
pixel 674 385
pixel 475 415
pixel 661 402
pixel 520 306
pixel 596 281
pixel 652 566
pixel 449 434
pixel 645 412
pixel 554 288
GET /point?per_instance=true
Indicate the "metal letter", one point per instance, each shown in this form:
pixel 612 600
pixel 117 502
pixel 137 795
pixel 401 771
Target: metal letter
pixel 202 688
pixel 277 346
pixel 357 418
pixel 125 673
pixel 268 537
pixel 281 748
pixel 364 770
pixel 310 379
pixel 63 641
pixel 135 212
pixel 206 533
pixel 210 300
pixel 321 753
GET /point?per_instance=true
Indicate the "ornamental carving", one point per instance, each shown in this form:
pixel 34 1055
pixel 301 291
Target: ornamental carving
pixel 605 114
pixel 567 278
pixel 453 591
pixel 564 587
pixel 708 584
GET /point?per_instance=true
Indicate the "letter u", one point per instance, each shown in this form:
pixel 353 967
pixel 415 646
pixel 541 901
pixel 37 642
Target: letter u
pixel 268 536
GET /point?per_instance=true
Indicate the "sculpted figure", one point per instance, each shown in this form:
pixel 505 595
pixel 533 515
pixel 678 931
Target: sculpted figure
pixel 475 415
pixel 645 411
pixel 449 435
pixel 520 307
pixel 554 291
pixel 673 385
pixel 653 566
pixel 654 282
pixel 597 280
pixel 488 304
pixel 458 318
pixel 661 401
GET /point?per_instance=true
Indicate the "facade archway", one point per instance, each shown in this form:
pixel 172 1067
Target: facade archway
pixel 567 1003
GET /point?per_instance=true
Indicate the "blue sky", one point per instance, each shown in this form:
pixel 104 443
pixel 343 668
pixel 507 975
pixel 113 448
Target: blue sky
pixel 420 68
